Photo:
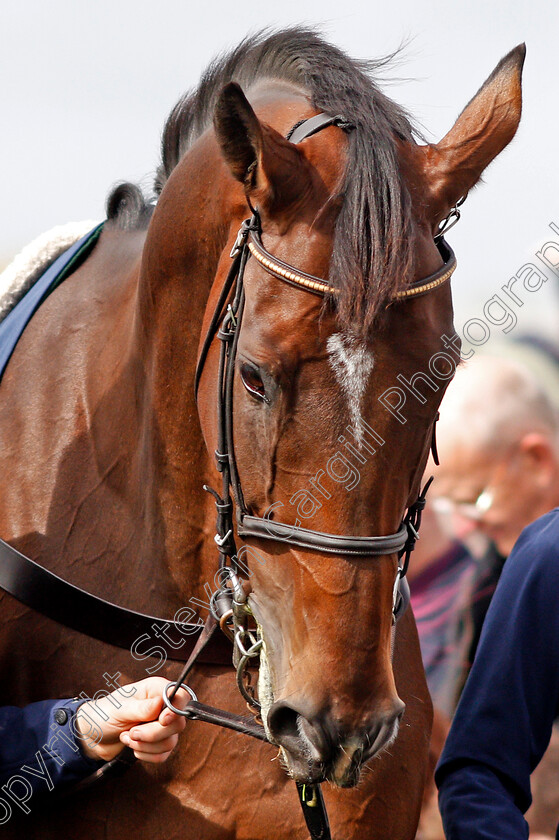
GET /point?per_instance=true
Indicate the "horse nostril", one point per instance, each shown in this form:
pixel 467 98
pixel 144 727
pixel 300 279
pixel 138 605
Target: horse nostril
pixel 282 722
pixel 293 731
pixel 298 733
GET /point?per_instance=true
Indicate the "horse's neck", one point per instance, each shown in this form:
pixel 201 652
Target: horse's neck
pixel 102 480
pixel 178 269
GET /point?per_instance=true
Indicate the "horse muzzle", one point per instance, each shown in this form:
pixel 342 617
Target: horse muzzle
pixel 317 748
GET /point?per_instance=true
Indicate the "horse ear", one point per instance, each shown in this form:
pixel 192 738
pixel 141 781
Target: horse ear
pixel 486 125
pixel 269 166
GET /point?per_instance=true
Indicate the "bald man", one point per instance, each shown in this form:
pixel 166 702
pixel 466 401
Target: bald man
pixel 500 470
pixel 498 441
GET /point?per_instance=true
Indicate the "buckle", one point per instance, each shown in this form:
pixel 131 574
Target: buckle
pixel 240 241
pixel 452 218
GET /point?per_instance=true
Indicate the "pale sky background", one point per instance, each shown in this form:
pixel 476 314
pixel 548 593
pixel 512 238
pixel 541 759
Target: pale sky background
pixel 86 89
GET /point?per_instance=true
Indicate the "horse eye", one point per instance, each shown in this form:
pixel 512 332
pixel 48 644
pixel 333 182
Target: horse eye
pixel 252 381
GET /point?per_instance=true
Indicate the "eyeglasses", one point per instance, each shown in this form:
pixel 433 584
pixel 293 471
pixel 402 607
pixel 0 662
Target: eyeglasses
pixel 476 510
pixel 469 510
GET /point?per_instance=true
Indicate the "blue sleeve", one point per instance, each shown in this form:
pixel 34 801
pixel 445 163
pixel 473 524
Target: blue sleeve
pixel 477 804
pixel 39 749
pixel 504 719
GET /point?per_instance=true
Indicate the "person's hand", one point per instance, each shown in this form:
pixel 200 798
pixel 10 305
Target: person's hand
pixel 134 716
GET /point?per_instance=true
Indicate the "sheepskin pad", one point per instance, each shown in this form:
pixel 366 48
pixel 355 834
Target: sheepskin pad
pixel 35 258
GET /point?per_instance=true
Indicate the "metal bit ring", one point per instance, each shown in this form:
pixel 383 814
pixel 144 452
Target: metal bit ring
pixel 169 704
pixel 252 701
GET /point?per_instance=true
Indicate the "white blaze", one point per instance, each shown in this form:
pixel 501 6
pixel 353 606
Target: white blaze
pixel 352 363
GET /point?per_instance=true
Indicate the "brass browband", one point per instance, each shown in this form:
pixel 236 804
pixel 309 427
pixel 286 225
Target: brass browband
pixel 286 272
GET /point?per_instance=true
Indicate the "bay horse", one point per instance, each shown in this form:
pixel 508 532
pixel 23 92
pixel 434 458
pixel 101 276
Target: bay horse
pixel 104 449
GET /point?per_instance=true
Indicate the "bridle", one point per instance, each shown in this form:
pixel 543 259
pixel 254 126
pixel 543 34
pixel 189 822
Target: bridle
pixel 229 604
pixel 226 325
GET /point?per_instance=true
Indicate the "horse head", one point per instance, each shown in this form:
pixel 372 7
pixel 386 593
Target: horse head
pixel 334 395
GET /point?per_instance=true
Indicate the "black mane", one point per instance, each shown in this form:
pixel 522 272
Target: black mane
pixel 371 256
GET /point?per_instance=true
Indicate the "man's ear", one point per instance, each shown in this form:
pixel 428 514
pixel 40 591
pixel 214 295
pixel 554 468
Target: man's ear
pixel 539 456
pixel 486 125
pixel 272 170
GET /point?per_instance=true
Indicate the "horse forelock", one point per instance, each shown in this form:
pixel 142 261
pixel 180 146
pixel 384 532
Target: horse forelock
pixel 371 255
